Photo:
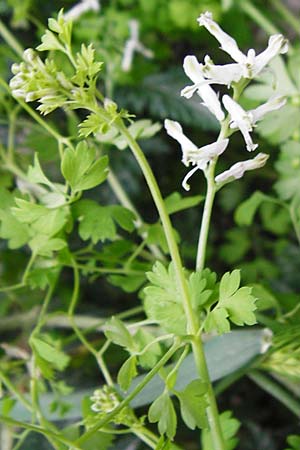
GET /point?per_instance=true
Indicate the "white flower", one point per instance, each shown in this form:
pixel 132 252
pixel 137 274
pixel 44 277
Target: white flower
pixel 133 45
pixel 210 99
pixel 246 120
pixel 250 65
pixel 82 7
pixel 237 170
pixel 191 154
pixel 272 104
pixel 239 118
pixel 221 74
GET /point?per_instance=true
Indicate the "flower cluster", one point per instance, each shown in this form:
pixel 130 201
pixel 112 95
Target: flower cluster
pixel 105 400
pixel 236 75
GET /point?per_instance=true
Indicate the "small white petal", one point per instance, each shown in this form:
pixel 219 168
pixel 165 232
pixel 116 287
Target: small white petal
pixel 185 184
pixel 82 7
pixel 174 130
pixel 240 119
pixel 210 99
pixel 277 45
pixel 228 44
pixel 222 74
pixel 271 105
pixel 237 170
pixel 205 154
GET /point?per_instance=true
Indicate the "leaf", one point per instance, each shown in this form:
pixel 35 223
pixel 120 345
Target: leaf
pixel 245 212
pixel 46 221
pixel 42 245
pixel 229 426
pixel 287 166
pixel 129 282
pixel 15 232
pixel 140 129
pixel 193 404
pixel 149 358
pixel 230 283
pixel 163 301
pixel 294 441
pixel 35 173
pixel 217 320
pixel 50 42
pixel 116 331
pixel 95 221
pixel 159 94
pixel 175 202
pixel 48 356
pixel 80 169
pixel 127 373
pixel 163 412
pixel 90 125
pixel 124 217
pixel 197 284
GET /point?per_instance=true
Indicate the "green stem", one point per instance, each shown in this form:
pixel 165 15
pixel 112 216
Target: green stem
pixel 12 388
pixel 192 319
pixel 276 391
pixel 286 15
pixel 78 332
pixel 255 14
pixel 208 205
pixel 109 417
pixel 37 429
pixel 10 40
pixel 126 202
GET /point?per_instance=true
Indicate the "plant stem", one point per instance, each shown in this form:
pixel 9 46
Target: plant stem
pixel 275 390
pixel 78 332
pixel 12 388
pixel 290 19
pixel 37 429
pixel 255 14
pixel 10 40
pixel 192 319
pixel 208 205
pixel 108 418
pixel 126 202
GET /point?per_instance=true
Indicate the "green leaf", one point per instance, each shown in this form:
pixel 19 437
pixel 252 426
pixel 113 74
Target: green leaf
pixel 163 300
pixel 199 295
pixel 46 221
pixel 288 165
pixel 129 282
pixel 95 221
pixel 193 404
pixel 124 217
pixel 294 441
pixel 230 283
pixel 175 202
pixel 80 169
pixel 116 331
pixel 35 173
pixel 150 357
pixel 240 306
pixel 163 412
pixel 217 320
pixel 245 212
pixel 42 245
pixel 91 125
pixel 127 373
pixel 15 232
pixel 86 66
pixel 229 426
pixel 50 42
pixel 48 356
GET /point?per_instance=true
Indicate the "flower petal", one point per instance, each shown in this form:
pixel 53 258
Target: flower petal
pixel 174 130
pixel 228 44
pixel 277 45
pixel 240 119
pixel 193 70
pixel 272 104
pixel 237 170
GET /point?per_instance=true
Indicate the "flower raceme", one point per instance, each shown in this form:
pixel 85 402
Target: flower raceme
pixel 237 75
